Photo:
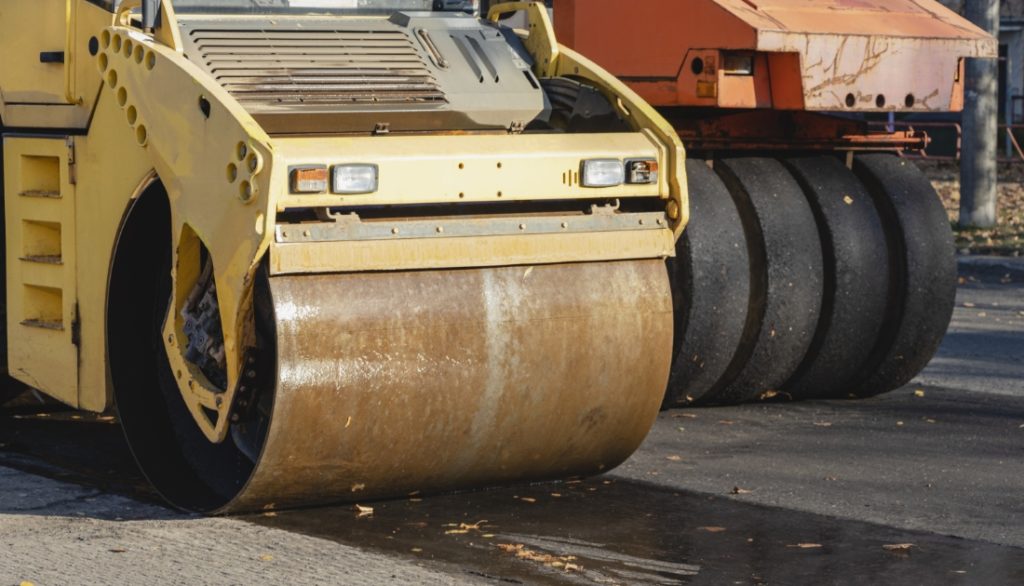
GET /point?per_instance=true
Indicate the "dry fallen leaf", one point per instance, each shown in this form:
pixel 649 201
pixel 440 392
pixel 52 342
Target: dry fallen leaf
pixel 898 547
pixel 919 393
pixel 362 511
pixel 738 490
pixel 266 557
pixel 674 458
pixel 848 200
pixel 358 486
pixel 805 545
pixel 711 529
pixel 522 552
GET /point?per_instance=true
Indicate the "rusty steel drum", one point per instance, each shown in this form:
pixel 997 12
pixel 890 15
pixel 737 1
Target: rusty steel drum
pixel 391 383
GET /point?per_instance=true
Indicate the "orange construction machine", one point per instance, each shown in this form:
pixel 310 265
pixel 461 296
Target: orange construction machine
pixel 819 263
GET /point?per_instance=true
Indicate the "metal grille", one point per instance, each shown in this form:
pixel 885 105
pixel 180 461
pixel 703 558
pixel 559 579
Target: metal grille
pixel 325 68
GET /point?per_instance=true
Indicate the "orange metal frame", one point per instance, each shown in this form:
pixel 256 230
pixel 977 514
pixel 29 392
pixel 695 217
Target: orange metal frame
pixel 761 74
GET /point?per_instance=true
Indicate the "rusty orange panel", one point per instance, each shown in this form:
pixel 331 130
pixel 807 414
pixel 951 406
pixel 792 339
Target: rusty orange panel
pixel 822 55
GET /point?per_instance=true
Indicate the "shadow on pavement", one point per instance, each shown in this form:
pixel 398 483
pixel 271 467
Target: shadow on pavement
pixel 600 530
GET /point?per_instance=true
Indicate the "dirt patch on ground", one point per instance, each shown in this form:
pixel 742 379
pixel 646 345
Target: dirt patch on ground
pixel 1005 239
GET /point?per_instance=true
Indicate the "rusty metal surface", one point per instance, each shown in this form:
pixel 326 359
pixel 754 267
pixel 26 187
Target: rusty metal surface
pixel 819 55
pixel 754 130
pixel 391 383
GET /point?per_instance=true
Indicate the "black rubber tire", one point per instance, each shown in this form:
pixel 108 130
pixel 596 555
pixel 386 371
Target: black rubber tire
pixel 856 279
pixel 923 273
pixel 710 288
pixel 785 278
pixel 168 446
pixel 10 389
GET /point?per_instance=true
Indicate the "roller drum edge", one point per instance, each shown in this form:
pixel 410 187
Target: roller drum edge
pixel 923 272
pixel 856 275
pixel 786 278
pixel 710 288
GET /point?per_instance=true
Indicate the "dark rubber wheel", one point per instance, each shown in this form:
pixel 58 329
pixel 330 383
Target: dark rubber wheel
pixel 785 277
pixel 923 275
pixel 710 288
pixel 856 279
pixel 10 389
pixel 168 446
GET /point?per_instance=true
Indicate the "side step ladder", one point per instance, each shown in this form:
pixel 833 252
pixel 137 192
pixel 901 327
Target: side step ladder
pixel 39 203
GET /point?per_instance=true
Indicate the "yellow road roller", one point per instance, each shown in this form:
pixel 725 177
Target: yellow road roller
pixel 325 250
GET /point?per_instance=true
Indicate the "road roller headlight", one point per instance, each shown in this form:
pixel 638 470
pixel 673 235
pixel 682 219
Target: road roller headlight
pixel 355 179
pixel 309 179
pixel 642 171
pixel 603 173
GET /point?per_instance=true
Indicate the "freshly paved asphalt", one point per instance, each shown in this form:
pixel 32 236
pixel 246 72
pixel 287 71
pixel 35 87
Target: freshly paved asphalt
pixel 921 486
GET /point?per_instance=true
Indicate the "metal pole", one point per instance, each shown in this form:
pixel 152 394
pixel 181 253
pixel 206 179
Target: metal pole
pixel 978 173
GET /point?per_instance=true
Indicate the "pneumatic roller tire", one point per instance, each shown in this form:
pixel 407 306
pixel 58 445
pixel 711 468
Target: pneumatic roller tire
pixel 856 278
pixel 922 268
pixel 785 278
pixel 710 288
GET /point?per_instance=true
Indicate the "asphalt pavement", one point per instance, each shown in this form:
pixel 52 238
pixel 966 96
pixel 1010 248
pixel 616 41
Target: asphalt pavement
pixel 921 486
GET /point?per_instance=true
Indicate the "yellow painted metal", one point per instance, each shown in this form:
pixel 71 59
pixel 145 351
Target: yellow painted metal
pixel 48 95
pixel 539 39
pixel 527 249
pixel 463 168
pixel 562 61
pixel 147 122
pixel 111 171
pixel 213 170
pixel 168 33
pixel 27 29
pixel 41 297
pixel 645 118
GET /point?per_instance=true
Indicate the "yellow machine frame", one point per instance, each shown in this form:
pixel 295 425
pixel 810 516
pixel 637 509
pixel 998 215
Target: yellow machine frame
pixel 227 180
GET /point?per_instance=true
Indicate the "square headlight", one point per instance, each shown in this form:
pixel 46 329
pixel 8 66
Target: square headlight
pixel 602 173
pixel 355 179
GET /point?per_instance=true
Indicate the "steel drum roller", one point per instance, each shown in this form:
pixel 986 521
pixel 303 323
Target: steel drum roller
pixel 389 383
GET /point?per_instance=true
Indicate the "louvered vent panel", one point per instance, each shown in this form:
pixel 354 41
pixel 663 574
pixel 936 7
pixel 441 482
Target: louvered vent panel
pixel 324 68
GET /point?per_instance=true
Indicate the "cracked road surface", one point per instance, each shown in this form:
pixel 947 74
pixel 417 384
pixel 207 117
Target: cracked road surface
pixel 919 486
